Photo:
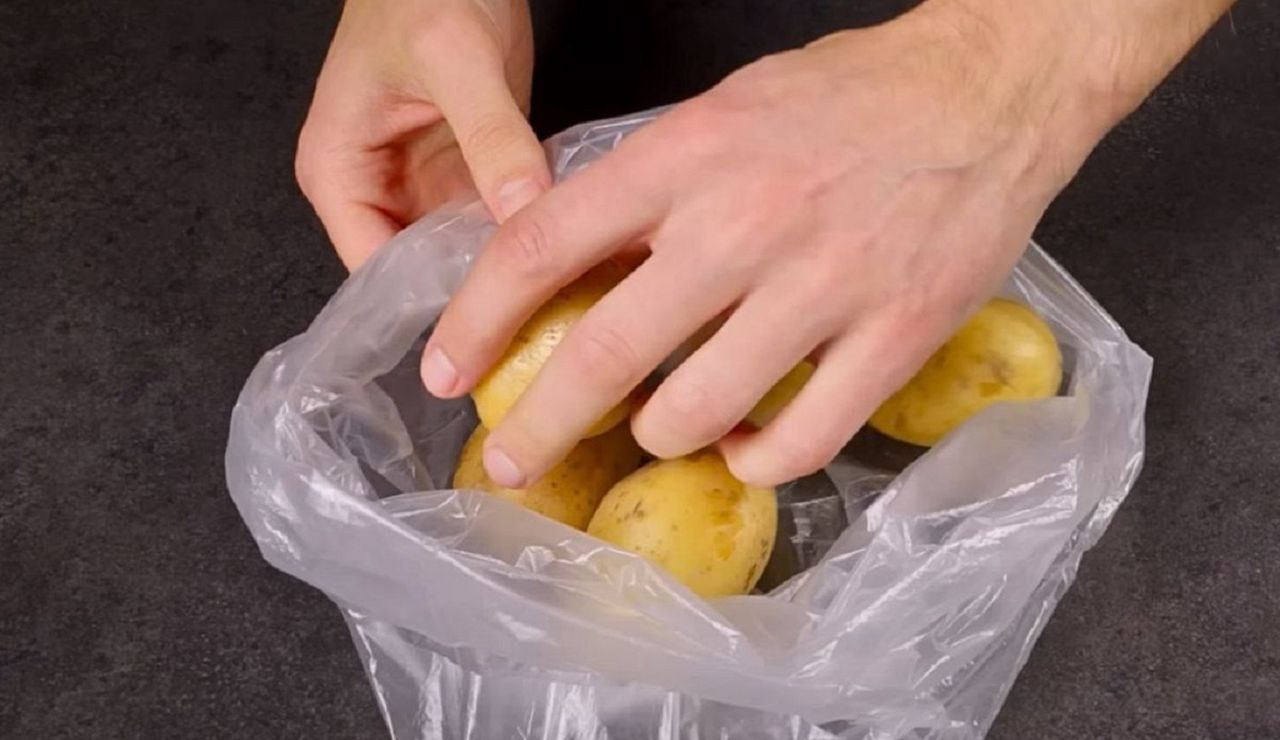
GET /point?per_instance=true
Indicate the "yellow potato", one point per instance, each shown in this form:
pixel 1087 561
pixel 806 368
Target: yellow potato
pixel 499 390
pixel 781 394
pixel 570 492
pixel 692 517
pixel 1004 353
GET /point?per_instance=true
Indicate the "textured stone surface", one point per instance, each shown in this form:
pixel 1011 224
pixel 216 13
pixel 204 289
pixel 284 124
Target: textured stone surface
pixel 152 246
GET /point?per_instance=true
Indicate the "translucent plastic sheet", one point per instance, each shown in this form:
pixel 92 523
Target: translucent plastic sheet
pixel 913 613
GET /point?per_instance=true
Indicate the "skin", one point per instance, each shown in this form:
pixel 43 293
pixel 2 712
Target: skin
pixel 418 103
pixel 852 201
pixel 569 492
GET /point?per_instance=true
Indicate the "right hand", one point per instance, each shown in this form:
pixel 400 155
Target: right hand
pixel 418 102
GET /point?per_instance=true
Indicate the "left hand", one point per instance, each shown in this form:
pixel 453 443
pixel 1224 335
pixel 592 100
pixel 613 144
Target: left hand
pixel 852 201
pixel 419 102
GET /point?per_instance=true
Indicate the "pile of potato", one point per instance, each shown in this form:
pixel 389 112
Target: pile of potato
pixel 689 515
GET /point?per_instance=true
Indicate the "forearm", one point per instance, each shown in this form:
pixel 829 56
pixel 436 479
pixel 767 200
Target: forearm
pixel 1147 39
pixel 1112 52
pixel 1048 78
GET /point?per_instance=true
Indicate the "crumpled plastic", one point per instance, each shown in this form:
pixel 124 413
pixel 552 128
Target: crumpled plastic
pixel 903 603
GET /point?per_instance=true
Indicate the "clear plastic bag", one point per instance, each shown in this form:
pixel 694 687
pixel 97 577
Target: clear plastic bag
pixel 478 619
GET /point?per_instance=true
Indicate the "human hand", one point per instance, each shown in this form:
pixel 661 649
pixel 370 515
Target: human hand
pixel 852 202
pixel 418 102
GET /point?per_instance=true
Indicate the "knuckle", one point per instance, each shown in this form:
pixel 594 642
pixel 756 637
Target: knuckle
pixel 682 417
pixel 737 253
pixel 525 248
pixel 916 312
pixel 695 128
pixel 691 406
pixel 799 455
pixel 744 84
pixel 440 33
pixel 304 164
pixel 496 131
pixel 781 207
pixel 826 293
pixel 728 254
pixel 605 359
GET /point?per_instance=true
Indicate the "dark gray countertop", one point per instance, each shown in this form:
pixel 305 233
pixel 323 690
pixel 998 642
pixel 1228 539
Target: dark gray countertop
pixel 152 246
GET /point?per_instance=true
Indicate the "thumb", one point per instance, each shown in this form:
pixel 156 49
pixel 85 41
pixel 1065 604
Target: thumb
pixel 506 160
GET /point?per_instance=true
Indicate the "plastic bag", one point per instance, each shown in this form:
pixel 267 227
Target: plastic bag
pixel 478 619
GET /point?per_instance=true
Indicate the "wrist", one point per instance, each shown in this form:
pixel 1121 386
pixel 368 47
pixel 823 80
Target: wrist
pixel 1100 58
pixel 986 88
pixel 1037 59
pixel 1046 77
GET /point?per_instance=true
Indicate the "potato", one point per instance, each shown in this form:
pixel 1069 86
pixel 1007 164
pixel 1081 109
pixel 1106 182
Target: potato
pixel 781 394
pixel 692 517
pixel 499 390
pixel 570 492
pixel 1004 353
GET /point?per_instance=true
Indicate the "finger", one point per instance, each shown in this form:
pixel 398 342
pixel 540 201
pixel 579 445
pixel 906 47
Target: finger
pixel 356 229
pixel 856 373
pixel 327 175
pixel 714 389
pixel 503 154
pixel 604 356
pixel 573 227
pixel 437 174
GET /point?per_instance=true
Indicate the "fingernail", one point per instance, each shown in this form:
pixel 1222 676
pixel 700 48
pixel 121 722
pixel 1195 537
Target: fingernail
pixel 438 374
pixel 516 195
pixel 502 469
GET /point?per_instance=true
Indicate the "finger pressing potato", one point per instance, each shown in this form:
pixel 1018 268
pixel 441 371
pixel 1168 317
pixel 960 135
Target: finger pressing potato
pixel 499 390
pixel 1005 352
pixel 570 492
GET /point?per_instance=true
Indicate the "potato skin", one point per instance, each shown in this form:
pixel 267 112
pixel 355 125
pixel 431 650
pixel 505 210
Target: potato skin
pixel 781 394
pixel 570 491
pixel 1005 352
pixel 692 517
pixel 532 345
